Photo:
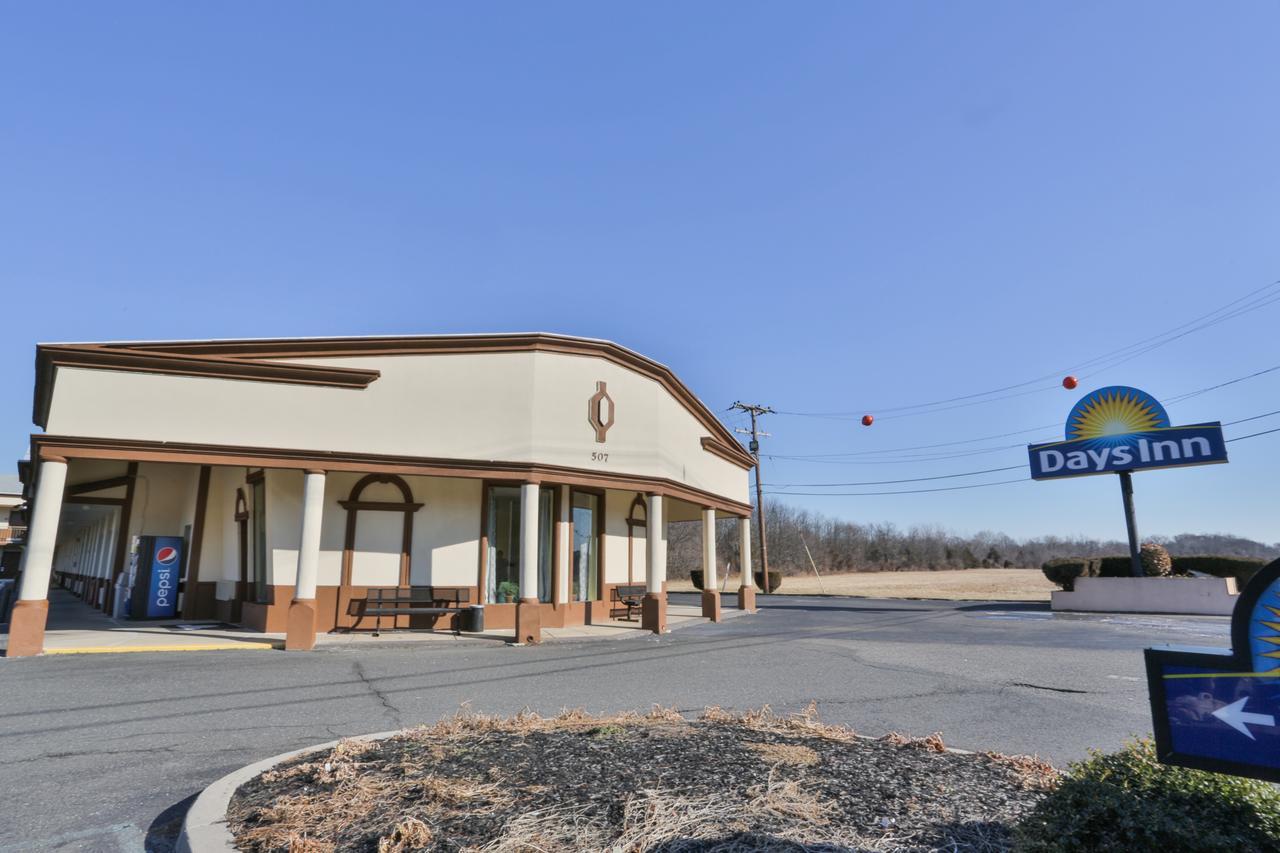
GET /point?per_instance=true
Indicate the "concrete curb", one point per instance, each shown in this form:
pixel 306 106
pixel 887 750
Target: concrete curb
pixel 124 650
pixel 204 829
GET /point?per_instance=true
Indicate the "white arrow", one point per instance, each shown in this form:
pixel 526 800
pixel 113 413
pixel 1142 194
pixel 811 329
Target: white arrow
pixel 1236 716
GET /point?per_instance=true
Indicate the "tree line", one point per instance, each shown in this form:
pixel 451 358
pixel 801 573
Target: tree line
pixel 838 545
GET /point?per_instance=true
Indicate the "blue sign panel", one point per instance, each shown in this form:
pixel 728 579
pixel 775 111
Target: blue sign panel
pixel 1123 429
pixel 166 561
pixel 1219 710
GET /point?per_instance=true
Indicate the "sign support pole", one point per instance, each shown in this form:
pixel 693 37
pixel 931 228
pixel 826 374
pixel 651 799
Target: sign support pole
pixel 1131 523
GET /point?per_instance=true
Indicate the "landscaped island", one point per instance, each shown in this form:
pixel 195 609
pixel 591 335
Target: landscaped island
pixel 637 783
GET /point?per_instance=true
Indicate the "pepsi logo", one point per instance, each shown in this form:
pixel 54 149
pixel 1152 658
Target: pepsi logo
pixel 166 556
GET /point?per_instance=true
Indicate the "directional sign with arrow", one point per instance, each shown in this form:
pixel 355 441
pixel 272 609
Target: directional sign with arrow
pixel 1216 709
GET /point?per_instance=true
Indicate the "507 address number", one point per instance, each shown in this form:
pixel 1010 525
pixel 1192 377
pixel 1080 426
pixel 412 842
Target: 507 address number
pixel 597 456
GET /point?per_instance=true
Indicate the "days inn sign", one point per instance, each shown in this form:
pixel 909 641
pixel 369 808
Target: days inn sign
pixel 1118 429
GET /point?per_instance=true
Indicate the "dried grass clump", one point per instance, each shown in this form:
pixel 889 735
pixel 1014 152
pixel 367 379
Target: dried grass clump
pixel 795 755
pixel 1032 771
pixel 804 723
pixel 929 743
pixel 410 834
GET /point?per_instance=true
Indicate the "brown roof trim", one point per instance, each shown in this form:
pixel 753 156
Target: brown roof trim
pixel 77 447
pixel 98 357
pixel 732 454
pixel 263 353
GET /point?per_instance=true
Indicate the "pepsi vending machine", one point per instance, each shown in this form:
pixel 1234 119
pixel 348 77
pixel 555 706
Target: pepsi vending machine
pixel 157 568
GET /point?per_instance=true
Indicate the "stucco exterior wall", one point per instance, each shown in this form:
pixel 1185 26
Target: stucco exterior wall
pixel 517 407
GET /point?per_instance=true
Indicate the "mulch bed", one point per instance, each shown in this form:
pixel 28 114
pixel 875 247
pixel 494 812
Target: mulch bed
pixel 651 783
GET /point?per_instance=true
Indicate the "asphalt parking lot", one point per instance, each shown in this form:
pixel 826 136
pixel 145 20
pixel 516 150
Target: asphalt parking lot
pixel 103 752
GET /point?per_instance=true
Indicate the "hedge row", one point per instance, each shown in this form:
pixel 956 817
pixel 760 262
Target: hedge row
pixel 1064 572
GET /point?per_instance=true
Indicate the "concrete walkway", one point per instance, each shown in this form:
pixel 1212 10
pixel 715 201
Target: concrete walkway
pixel 77 628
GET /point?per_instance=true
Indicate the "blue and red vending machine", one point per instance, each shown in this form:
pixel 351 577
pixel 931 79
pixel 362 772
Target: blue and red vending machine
pixel 157 569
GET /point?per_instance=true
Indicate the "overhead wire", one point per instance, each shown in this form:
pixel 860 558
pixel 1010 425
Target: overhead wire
pixel 836 458
pixel 975 485
pixel 1252 302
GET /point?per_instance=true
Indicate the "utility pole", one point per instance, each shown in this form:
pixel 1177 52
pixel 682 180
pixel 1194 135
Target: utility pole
pixel 755 412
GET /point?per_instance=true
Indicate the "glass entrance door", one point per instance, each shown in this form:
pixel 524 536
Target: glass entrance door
pixel 502 585
pixel 585 577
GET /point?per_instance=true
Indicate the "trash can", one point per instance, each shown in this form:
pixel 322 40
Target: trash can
pixel 473 619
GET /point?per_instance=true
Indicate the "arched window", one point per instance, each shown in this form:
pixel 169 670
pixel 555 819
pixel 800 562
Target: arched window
pixel 637 539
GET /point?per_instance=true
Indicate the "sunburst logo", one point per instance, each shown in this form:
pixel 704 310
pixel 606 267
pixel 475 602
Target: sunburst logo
pixel 1264 633
pixel 1114 413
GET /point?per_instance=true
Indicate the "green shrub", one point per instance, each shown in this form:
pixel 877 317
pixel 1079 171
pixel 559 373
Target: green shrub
pixel 1241 568
pixel 1115 567
pixel 695 576
pixel 1064 571
pixel 1156 562
pixel 775 580
pixel 1127 801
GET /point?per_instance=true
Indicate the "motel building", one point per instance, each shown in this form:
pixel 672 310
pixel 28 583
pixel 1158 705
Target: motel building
pixel 298 480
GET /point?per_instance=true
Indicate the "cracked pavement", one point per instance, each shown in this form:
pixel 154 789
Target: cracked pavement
pixel 105 752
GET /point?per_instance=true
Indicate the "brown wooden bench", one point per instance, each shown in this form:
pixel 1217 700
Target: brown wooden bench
pixel 409 601
pixel 624 599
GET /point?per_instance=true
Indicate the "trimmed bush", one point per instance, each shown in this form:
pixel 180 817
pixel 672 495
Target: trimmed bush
pixel 1156 562
pixel 1064 571
pixel 1241 568
pixel 695 575
pixel 1115 567
pixel 775 580
pixel 1127 801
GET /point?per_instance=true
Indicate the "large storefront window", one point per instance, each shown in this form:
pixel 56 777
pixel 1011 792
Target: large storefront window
pixel 503 582
pixel 586 547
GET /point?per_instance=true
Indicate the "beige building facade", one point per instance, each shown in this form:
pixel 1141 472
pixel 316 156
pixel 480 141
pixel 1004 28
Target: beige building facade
pixel 534 474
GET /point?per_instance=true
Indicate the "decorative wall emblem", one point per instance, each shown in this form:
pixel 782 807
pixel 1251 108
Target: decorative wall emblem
pixel 600 411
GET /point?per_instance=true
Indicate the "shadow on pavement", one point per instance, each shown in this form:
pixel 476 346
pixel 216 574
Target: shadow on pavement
pixel 162 834
pixel 1010 606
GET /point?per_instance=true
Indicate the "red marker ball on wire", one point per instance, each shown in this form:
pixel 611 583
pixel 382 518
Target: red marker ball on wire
pixel 867 420
pixel 1070 382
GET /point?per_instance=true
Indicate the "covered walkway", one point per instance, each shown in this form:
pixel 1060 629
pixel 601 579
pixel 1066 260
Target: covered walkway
pixel 76 627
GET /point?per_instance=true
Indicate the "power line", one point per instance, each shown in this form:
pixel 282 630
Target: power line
pixel 902 491
pixel 968 474
pixel 888 482
pixel 1252 300
pixel 832 457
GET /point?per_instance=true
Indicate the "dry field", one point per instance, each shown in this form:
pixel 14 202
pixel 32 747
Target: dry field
pixel 958 585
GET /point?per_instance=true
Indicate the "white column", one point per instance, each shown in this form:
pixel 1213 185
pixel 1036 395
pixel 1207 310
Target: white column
pixel 529 541
pixel 565 556
pixel 37 558
pixel 656 550
pixel 744 549
pixel 709 550
pixel 309 550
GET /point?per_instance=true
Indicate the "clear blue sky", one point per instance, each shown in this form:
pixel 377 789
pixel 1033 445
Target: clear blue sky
pixel 820 206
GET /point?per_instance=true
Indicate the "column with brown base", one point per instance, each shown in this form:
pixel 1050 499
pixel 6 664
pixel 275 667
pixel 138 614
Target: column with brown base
pixel 710 587
pixel 653 609
pixel 746 592
pixel 529 610
pixel 31 610
pixel 301 626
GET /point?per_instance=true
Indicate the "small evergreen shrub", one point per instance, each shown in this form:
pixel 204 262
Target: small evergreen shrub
pixel 1127 801
pixel 1156 562
pixel 1241 568
pixel 1064 571
pixel 775 580
pixel 1115 567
